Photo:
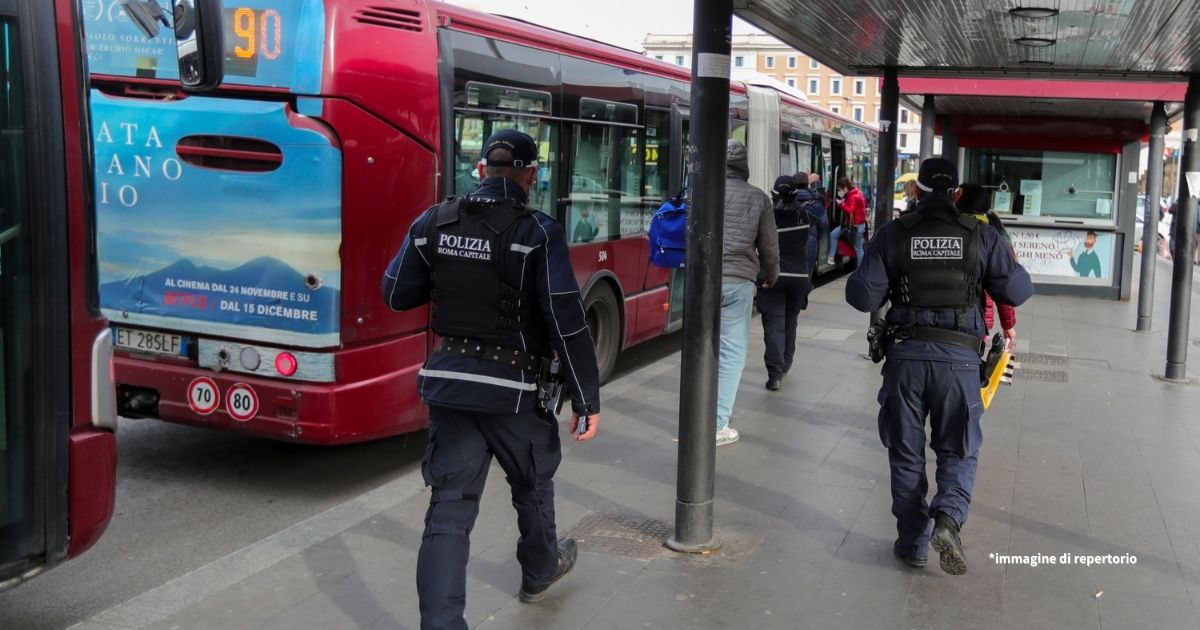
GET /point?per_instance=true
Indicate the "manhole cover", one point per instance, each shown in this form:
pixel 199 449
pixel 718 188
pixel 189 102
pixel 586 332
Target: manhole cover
pixel 1034 358
pixel 1048 376
pixel 622 535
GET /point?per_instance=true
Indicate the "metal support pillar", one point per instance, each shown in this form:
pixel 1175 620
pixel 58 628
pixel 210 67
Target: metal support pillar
pixel 928 120
pixel 949 143
pixel 1184 226
pixel 1154 185
pixel 885 171
pixel 712 26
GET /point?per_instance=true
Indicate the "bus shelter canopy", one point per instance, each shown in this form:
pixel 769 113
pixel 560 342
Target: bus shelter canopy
pixel 1083 39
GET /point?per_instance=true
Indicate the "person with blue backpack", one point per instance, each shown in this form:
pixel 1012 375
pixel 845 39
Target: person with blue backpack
pixel 796 216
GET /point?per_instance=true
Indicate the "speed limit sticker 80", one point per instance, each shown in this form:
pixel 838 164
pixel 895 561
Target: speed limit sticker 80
pixel 241 402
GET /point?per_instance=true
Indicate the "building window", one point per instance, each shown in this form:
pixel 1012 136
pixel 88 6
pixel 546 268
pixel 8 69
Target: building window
pixel 770 61
pixel 791 81
pixel 878 116
pixel 860 87
pixel 858 113
pixel 814 86
pixel 658 57
pixel 837 109
pixel 791 62
pixel 903 116
pixel 679 60
pixel 739 62
pixel 812 63
pixel 835 86
pixel 903 141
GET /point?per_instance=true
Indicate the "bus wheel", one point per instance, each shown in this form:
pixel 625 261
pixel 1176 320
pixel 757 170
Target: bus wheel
pixel 604 320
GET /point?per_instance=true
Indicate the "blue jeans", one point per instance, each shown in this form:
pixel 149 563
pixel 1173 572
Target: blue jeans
pixel 737 298
pixel 858 241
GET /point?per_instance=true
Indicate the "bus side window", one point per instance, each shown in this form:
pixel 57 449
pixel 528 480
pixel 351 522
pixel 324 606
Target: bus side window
pixel 604 200
pixel 468 142
pixel 656 164
pixel 471 130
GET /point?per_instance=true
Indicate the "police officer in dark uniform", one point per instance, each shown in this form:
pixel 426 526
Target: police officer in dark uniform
pixel 504 299
pixel 781 304
pixel 934 265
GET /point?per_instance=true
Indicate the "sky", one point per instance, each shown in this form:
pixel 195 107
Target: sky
pixel 621 22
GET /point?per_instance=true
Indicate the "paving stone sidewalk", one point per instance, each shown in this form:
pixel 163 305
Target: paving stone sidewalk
pixel 1087 454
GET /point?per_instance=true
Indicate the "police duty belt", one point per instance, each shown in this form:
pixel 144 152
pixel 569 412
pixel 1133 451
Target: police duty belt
pixel 465 346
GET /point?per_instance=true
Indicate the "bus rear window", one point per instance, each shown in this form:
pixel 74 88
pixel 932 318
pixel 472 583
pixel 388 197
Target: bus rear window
pixel 266 42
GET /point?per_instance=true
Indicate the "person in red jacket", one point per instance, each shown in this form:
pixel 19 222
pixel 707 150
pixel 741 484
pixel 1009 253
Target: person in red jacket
pixel 974 200
pixel 854 206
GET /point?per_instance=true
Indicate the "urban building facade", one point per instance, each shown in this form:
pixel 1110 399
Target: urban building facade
pixel 856 98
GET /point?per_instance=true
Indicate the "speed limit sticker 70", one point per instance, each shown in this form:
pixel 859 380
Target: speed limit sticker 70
pixel 203 396
pixel 241 402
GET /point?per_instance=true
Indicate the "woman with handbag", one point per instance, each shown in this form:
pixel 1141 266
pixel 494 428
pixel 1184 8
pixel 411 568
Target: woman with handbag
pixel 854 220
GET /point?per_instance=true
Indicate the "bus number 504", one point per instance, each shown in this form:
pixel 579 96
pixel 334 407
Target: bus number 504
pixel 254 30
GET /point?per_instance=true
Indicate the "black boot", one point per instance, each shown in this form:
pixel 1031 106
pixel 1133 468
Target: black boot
pixel 567 554
pixel 916 562
pixel 948 544
pixel 774 383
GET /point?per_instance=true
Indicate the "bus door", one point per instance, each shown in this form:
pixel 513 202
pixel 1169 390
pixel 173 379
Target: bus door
pixel 35 383
pixel 680 141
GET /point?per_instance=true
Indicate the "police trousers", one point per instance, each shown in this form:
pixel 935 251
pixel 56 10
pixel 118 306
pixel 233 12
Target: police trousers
pixel 780 307
pixel 948 393
pixel 455 465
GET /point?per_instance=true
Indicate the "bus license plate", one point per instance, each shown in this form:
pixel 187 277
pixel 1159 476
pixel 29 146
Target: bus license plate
pixel 152 342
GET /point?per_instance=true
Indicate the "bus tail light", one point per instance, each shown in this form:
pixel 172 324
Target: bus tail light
pixel 286 364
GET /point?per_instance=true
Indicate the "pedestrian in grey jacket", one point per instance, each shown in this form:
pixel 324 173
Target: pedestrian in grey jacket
pixel 751 246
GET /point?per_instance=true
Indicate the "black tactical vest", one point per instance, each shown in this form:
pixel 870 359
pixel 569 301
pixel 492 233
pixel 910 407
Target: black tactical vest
pixel 792 223
pixel 469 241
pixel 937 258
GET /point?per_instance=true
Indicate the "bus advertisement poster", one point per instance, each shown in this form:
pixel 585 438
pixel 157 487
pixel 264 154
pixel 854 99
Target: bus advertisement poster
pixel 217 216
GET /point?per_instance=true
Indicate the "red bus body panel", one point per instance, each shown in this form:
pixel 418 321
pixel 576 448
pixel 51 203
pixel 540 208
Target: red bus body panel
pixel 91 452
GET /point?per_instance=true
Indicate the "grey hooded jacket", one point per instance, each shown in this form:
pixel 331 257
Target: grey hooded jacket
pixel 750 233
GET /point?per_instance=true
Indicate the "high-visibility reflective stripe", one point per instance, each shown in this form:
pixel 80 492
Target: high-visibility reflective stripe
pixel 793 275
pixel 793 229
pixel 524 249
pixel 479 378
pixel 419 241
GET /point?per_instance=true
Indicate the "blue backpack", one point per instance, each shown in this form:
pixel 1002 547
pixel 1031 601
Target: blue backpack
pixel 668 233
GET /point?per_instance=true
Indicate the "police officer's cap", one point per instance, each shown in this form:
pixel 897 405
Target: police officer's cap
pixel 520 145
pixel 937 175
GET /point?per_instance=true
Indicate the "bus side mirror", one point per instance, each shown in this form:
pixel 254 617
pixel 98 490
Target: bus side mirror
pixel 199 44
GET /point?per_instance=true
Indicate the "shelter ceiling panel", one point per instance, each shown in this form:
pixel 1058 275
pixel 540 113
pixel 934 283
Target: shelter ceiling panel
pixel 1102 38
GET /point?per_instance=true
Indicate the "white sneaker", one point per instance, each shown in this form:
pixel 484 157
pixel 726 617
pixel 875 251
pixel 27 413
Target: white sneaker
pixel 728 435
pixel 831 261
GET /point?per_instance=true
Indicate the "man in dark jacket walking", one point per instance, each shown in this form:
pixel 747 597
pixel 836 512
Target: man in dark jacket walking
pixel 933 265
pixel 796 214
pixel 504 298
pixel 749 235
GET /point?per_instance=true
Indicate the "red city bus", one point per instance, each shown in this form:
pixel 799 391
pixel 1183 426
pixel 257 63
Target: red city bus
pixel 57 408
pixel 243 235
pixel 58 411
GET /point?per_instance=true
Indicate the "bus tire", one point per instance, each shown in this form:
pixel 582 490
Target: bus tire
pixel 604 319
